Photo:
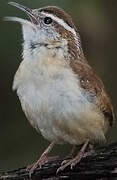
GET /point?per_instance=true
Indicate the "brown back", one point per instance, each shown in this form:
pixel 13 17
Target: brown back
pixel 91 82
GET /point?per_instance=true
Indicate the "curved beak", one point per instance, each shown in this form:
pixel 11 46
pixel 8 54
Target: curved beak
pixel 27 10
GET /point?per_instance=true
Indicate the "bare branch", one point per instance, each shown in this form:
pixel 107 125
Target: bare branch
pixel 100 165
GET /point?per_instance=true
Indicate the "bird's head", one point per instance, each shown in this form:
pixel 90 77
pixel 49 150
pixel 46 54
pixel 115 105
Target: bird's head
pixel 48 30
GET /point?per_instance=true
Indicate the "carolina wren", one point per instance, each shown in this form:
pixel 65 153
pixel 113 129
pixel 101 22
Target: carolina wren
pixel 60 94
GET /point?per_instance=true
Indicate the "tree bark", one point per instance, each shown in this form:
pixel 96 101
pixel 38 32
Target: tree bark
pixel 101 165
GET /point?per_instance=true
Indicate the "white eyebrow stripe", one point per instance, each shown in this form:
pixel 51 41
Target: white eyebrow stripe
pixel 61 22
pixel 66 26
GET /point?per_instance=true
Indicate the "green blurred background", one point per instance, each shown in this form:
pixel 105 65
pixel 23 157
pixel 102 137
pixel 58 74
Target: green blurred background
pixel 20 144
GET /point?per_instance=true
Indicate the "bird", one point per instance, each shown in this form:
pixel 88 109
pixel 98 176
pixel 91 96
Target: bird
pixel 60 93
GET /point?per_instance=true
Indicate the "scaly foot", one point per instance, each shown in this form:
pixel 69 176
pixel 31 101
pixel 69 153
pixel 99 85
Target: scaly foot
pixel 43 160
pixel 74 161
pixel 71 162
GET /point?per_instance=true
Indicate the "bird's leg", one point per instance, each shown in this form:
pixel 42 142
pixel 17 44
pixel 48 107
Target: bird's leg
pixel 73 150
pixel 70 155
pixel 42 160
pixel 76 159
pixel 90 152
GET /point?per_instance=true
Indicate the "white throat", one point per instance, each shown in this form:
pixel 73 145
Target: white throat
pixel 40 50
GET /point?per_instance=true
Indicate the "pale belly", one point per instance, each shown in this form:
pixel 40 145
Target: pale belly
pixel 62 114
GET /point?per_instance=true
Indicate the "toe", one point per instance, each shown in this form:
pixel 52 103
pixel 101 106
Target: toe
pixel 64 162
pixel 73 164
pixel 61 168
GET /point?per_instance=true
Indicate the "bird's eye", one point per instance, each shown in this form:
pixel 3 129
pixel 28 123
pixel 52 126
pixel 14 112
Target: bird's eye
pixel 47 20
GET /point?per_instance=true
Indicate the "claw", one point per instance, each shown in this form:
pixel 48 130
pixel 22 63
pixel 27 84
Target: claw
pixel 39 164
pixel 43 160
pixel 65 161
pixel 72 162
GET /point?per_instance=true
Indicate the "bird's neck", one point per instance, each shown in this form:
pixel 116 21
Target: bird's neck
pixel 64 50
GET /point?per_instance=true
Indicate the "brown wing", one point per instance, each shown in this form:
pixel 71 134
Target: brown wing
pixel 91 82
